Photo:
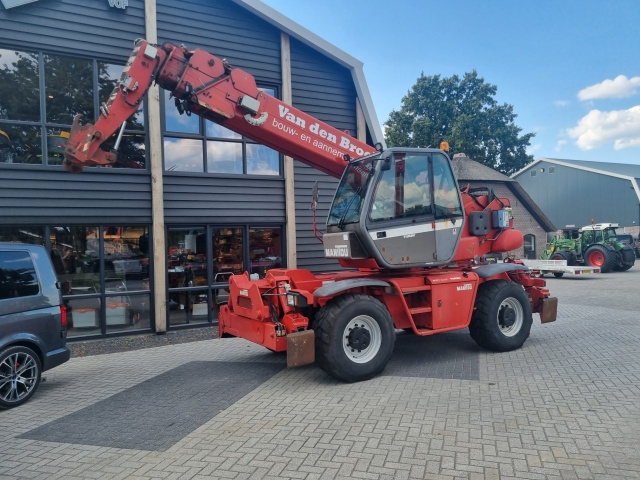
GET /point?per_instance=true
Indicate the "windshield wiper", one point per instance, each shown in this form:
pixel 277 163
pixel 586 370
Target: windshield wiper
pixel 343 217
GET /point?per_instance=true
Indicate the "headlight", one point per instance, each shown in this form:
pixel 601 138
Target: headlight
pixel 296 299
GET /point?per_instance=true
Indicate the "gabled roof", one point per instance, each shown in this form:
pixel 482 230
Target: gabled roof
pixel 626 171
pixel 468 170
pixel 312 40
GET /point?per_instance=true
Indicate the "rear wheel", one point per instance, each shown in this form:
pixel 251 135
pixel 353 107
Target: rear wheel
pixel 599 256
pixel 628 259
pixel 354 337
pixel 502 316
pixel 20 372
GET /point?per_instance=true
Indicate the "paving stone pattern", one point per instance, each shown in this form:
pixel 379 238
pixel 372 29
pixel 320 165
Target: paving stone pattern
pixel 565 406
pixel 158 412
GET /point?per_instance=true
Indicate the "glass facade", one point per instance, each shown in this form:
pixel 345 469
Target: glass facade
pixel 193 144
pixel 37 107
pixel 103 271
pixel 201 259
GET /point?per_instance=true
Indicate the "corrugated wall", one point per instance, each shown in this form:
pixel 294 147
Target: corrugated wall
pixel 571 196
pixel 325 90
pixel 226 30
pixel 50 196
pixel 73 27
pixel 232 200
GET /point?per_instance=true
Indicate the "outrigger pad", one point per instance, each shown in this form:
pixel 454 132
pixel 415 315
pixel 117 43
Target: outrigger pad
pixel 301 348
pixel 549 310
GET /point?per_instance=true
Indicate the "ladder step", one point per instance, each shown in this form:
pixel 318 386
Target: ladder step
pixel 415 311
pixel 420 288
pixel 424 331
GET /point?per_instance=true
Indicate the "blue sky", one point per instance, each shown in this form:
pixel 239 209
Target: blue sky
pixel 570 68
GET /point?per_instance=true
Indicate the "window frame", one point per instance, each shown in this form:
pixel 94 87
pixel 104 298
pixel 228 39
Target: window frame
pixel 43 125
pixel 203 138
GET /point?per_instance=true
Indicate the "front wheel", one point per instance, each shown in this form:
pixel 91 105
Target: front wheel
pixel 20 372
pixel 354 337
pixel 502 316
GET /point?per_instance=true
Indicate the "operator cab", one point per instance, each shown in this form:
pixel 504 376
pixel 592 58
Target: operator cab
pixel 401 208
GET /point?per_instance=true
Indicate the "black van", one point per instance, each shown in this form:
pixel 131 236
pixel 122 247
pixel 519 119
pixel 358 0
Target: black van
pixel 33 321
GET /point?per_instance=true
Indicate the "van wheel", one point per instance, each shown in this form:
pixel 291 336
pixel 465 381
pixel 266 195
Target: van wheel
pixel 502 316
pixel 354 337
pixel 20 372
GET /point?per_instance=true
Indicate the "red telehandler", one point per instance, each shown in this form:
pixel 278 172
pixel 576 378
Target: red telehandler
pixel 411 242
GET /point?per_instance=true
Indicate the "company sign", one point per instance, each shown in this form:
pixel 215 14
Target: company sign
pixel 119 3
pixel 15 3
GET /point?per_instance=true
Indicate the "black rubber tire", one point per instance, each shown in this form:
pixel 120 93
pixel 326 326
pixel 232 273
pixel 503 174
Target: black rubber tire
pixel 571 258
pixel 628 259
pixel 566 256
pixel 485 326
pixel 561 256
pixel 14 393
pixel 331 325
pixel 609 258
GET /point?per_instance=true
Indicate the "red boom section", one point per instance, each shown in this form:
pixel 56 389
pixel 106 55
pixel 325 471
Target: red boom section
pixel 207 86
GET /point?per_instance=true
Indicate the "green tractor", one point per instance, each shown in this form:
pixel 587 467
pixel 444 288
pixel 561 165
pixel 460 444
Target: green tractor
pixel 595 245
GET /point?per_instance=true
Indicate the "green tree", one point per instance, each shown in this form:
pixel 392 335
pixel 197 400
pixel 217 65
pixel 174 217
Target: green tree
pixel 464 112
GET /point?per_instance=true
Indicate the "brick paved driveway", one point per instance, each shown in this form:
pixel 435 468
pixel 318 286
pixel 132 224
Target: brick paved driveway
pixel 566 406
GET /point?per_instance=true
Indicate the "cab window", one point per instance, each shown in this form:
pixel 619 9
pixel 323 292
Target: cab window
pixel 404 190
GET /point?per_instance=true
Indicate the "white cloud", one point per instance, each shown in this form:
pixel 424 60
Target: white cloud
pixel 561 103
pixel 533 148
pixel 560 145
pixel 619 87
pixel 183 155
pixel 619 127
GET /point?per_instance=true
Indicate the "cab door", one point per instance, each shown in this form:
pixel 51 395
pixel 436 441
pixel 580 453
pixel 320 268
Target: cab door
pixel 402 220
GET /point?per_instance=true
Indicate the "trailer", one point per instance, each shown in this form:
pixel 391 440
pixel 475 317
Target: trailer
pixel 557 267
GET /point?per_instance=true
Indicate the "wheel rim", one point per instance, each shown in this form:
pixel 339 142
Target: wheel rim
pixel 18 376
pixel 510 317
pixel 596 259
pixel 362 339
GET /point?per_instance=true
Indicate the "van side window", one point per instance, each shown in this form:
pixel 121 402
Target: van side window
pixel 17 275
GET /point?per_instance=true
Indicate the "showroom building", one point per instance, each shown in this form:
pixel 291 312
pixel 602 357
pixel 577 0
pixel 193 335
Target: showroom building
pixel 148 244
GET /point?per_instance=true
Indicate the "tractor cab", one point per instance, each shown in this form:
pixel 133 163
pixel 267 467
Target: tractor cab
pixel 600 233
pixel 400 208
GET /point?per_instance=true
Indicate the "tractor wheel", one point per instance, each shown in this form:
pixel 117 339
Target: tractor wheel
pixel 599 256
pixel 502 316
pixel 354 337
pixel 571 258
pixel 560 256
pixel 628 259
pixel 564 255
